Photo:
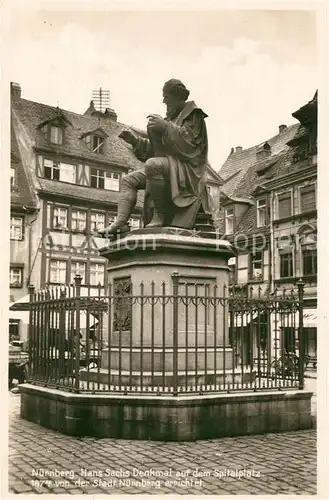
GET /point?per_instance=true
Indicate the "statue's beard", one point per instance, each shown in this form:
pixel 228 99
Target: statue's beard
pixel 173 111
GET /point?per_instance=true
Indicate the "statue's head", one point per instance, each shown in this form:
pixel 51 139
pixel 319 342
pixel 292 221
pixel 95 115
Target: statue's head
pixel 175 95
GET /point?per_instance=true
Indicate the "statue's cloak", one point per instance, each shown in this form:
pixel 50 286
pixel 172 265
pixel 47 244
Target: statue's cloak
pixel 185 144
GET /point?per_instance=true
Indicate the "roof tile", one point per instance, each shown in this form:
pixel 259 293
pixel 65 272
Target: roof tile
pixel 238 163
pixel 32 114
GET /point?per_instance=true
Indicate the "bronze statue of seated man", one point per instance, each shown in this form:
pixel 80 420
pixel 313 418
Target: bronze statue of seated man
pixel 175 157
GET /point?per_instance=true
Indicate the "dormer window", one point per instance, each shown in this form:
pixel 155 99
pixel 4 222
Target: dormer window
pixel 56 135
pixel 95 143
pixel 53 133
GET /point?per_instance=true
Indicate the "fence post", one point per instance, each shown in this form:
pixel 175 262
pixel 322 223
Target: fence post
pixel 77 281
pixel 175 277
pixel 61 331
pixel 31 290
pixel 300 285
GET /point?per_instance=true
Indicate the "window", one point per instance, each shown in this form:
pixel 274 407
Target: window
pixel 256 266
pixel 104 180
pixel 16 228
pixel 51 170
pixel 232 270
pixel 229 215
pixel 60 218
pixel 286 264
pixel 12 177
pixel 112 181
pixel 307 198
pixel 58 271
pixel 135 223
pixel 59 171
pixel 284 205
pixel 78 220
pixel 97 274
pixel 56 135
pixel 13 329
pixel 78 268
pixel 16 277
pixel 288 339
pixel 97 221
pixel 261 212
pixel 95 143
pixel 53 133
pixel 309 261
pixel 97 178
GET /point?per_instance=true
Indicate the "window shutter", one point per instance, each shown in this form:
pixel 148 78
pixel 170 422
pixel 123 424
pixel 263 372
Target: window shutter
pixel 39 166
pixel 86 175
pixel 68 173
pixel 79 173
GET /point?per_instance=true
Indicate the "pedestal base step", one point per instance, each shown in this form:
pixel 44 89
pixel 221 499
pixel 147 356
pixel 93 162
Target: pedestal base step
pixel 166 418
pixel 182 378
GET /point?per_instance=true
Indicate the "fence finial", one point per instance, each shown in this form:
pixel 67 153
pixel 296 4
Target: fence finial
pixel 300 286
pixel 78 280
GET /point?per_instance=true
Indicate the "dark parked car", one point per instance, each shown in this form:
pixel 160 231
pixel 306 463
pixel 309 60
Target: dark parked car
pixel 17 363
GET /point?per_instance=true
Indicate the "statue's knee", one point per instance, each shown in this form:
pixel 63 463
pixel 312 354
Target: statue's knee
pixel 130 181
pixel 153 167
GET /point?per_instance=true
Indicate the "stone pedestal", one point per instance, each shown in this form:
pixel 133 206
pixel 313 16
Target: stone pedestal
pixel 176 333
pixel 159 351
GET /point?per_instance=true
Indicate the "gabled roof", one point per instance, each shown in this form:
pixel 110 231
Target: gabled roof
pixel 308 113
pixel 98 131
pixel 238 163
pixel 21 195
pixel 224 198
pixel 31 114
pixel 213 175
pixel 246 175
pixel 58 118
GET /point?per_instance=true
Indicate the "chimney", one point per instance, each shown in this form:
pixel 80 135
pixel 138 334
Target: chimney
pixel 238 149
pixel 232 151
pixel 264 151
pixel 282 128
pixel 15 90
pixel 91 109
pixel 110 114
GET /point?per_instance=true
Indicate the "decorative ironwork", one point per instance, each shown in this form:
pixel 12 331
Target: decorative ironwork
pixel 183 340
pixel 122 314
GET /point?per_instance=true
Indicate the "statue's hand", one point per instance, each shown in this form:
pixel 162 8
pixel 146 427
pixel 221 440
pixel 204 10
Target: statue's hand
pixel 157 122
pixel 128 137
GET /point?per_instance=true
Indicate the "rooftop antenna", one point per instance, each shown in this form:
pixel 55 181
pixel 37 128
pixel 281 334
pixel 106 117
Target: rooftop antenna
pixel 101 98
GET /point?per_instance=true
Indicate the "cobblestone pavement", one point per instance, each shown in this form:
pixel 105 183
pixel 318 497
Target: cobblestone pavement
pixel 269 464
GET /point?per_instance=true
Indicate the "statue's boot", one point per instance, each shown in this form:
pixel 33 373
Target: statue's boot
pixel 126 204
pixel 158 193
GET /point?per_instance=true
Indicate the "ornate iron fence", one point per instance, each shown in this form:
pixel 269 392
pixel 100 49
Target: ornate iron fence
pixel 177 338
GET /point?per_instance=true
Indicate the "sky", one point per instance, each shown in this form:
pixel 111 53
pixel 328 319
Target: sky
pixel 248 70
